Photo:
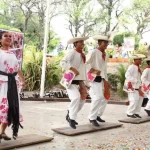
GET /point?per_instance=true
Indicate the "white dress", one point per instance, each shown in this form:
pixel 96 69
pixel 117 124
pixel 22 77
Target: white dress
pixel 8 64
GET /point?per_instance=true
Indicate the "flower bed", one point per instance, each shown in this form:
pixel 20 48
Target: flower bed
pixel 122 60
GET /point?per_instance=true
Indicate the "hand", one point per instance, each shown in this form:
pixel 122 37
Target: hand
pixel 97 72
pixel 130 86
pixel 83 91
pixel 141 93
pixel 23 83
pixel 74 70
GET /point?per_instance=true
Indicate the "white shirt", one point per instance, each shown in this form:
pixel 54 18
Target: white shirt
pixel 95 60
pixel 145 78
pixel 75 60
pixel 132 74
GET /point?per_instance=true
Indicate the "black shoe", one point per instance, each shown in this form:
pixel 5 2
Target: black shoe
pixel 99 119
pixel 94 122
pixel 132 116
pixel 148 112
pixel 67 118
pixel 137 115
pixel 5 137
pixel 72 124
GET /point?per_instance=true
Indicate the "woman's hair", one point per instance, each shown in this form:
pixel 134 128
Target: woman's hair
pixel 1 34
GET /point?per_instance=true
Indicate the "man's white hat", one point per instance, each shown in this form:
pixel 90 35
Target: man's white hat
pixel 147 59
pixel 76 39
pixel 138 56
pixel 102 37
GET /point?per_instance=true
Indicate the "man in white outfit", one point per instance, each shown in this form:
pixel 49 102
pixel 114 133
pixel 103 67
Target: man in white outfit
pixel 146 84
pixel 97 60
pixel 135 96
pixel 75 61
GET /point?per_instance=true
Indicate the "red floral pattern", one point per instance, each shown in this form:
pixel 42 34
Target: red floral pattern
pixel 4 111
pixel 9 64
pixel 9 69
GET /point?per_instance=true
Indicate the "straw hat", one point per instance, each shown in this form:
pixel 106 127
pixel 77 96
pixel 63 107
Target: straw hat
pixel 138 56
pixel 102 37
pixel 76 39
pixel 147 59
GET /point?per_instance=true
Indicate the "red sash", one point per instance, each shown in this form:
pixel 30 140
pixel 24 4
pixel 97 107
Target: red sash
pixel 139 70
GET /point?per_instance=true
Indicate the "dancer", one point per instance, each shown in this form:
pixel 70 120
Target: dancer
pixel 133 81
pixel 145 78
pixel 97 60
pixel 9 76
pixel 75 61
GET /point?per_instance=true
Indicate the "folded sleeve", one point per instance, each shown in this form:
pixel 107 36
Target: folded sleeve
pixel 130 74
pixel 144 77
pixel 65 63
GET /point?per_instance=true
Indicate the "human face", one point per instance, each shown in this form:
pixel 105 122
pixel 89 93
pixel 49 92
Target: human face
pixel 138 61
pixel 103 45
pixel 6 39
pixel 80 44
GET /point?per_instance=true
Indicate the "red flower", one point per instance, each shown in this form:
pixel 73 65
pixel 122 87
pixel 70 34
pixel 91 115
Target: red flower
pixel 2 107
pixel 1 117
pixel 5 110
pixel 4 100
pixel 11 70
pixel 5 62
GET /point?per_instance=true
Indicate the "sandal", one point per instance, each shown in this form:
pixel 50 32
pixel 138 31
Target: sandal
pixel 5 137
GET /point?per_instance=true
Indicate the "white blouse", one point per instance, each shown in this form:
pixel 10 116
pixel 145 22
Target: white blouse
pixel 75 60
pixel 8 64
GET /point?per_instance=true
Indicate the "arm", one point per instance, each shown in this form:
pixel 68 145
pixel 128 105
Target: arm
pixel 105 71
pixel 129 74
pixel 89 61
pixel 89 57
pixel 21 77
pixel 144 77
pixel 65 63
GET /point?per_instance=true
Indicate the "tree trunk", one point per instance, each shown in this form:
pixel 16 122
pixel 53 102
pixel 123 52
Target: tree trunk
pixel 110 5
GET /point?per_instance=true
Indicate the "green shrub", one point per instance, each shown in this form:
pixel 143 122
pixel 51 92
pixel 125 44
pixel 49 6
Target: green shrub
pixel 119 38
pixel 113 80
pixel 110 52
pixel 32 69
pixel 5 27
pixel 121 70
pixel 142 49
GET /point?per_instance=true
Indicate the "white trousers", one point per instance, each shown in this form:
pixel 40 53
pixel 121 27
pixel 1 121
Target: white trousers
pixel 135 101
pixel 98 102
pixel 148 103
pixel 76 103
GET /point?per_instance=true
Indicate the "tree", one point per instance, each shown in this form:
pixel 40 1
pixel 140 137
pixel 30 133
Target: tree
pixel 55 9
pixel 29 17
pixel 119 38
pixel 81 17
pixel 139 14
pixel 112 10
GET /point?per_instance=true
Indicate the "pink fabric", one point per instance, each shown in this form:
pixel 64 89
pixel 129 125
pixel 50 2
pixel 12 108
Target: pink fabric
pixel 8 64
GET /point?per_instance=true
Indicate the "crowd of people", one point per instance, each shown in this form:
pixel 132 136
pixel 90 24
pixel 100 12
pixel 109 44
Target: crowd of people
pixel 94 63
